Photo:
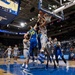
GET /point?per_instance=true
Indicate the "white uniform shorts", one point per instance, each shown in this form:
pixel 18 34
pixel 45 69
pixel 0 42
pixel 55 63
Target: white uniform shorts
pixel 26 53
pixel 43 40
pixel 9 54
pixel 15 54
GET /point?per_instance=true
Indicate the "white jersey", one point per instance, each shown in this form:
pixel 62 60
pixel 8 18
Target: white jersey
pixel 49 44
pixel 43 37
pixel 9 50
pixel 55 43
pixel 26 45
pixel 15 49
pixel 43 30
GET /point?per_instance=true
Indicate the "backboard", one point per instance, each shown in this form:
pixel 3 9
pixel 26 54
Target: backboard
pixel 55 7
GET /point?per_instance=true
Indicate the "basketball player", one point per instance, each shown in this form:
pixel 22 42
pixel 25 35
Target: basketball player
pixel 33 42
pixel 47 18
pixel 15 52
pixel 42 27
pixel 26 45
pixel 57 51
pixel 51 50
pixel 8 51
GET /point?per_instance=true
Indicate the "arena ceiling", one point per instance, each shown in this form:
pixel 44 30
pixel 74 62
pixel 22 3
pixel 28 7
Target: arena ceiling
pixel 28 14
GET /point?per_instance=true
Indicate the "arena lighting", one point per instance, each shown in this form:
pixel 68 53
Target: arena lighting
pixel 32 19
pixel 54 6
pixel 64 0
pixel 10 32
pixel 25 23
pixel 22 24
pixel 21 33
pixel 7 25
pixel 49 8
pixel 5 31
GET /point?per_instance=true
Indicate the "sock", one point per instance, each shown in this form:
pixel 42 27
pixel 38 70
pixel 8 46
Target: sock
pixel 26 66
pixel 23 64
pixel 35 60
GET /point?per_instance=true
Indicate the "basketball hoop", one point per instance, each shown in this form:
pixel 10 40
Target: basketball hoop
pixel 56 12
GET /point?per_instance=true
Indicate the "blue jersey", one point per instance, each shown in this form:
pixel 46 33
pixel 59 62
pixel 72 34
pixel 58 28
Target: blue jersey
pixel 33 40
pixel 57 50
pixel 33 33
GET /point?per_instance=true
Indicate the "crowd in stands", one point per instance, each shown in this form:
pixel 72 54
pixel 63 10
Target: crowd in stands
pixel 68 47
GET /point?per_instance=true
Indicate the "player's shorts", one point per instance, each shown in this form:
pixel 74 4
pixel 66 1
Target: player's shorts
pixel 33 46
pixel 33 42
pixel 9 54
pixel 59 52
pixel 26 53
pixel 15 54
pixel 43 39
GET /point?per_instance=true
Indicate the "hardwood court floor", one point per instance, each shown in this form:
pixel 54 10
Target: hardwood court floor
pixel 20 61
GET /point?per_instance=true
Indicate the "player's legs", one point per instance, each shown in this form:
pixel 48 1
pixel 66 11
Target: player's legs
pixel 15 57
pixel 44 47
pixel 9 56
pixel 33 48
pixel 26 57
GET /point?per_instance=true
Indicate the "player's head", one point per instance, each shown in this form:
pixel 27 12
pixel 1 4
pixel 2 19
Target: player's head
pixel 46 15
pixel 9 46
pixel 41 12
pixel 39 31
pixel 15 45
pixel 26 36
pixel 30 27
pixel 50 38
pixel 55 39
